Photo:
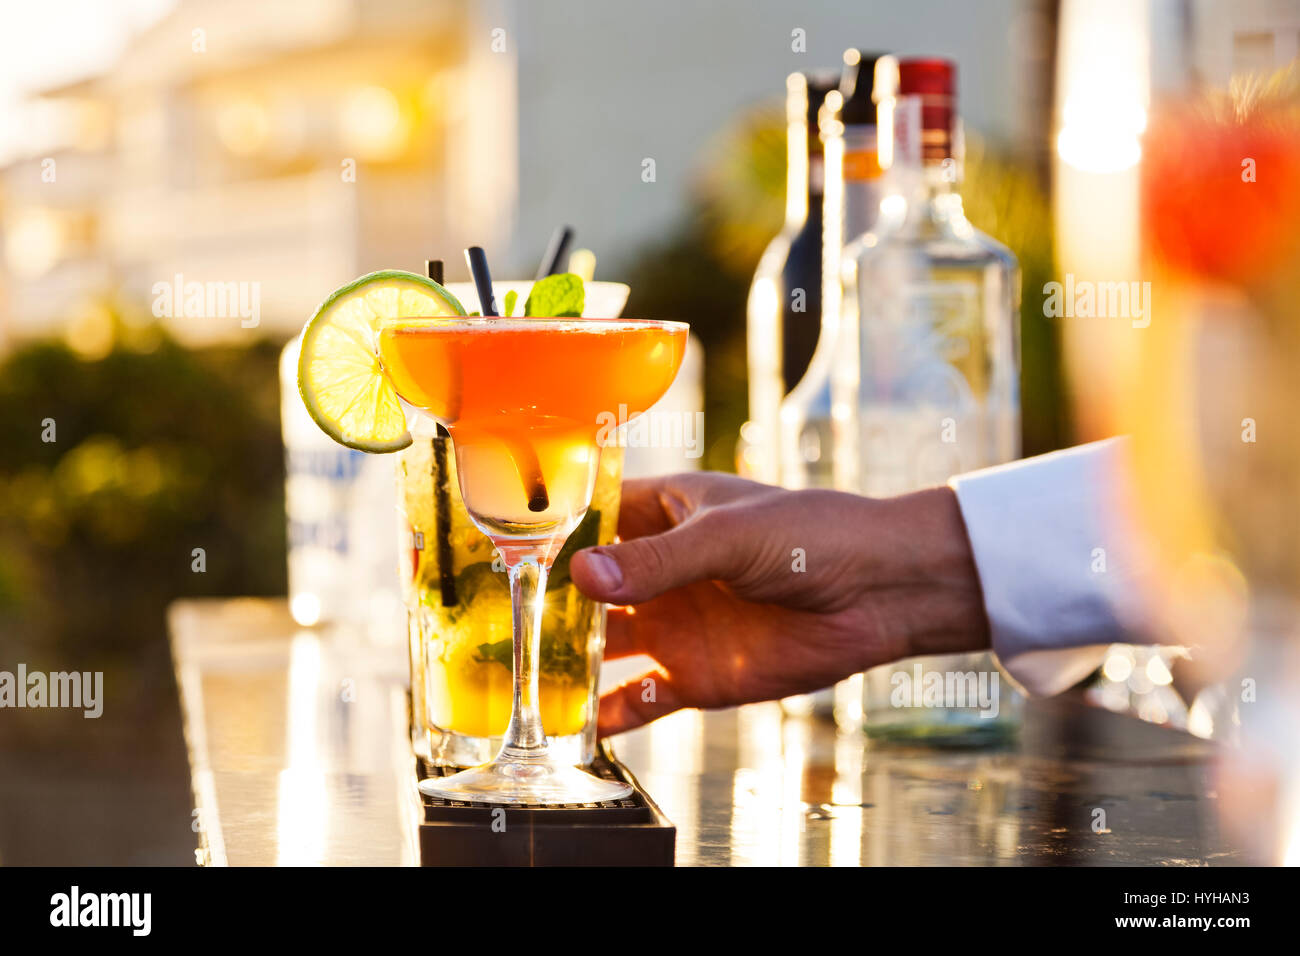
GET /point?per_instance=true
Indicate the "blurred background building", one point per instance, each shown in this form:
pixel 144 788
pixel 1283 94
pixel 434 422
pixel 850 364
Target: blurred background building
pixel 283 144
pixel 299 144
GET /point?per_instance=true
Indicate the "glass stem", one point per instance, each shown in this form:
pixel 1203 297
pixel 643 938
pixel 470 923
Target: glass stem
pixel 525 736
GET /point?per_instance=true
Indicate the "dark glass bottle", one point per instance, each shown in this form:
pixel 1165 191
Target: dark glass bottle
pixel 854 187
pixel 784 308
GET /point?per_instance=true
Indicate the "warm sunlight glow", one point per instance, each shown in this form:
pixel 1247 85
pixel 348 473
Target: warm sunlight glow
pixel 1103 84
pixel 373 123
pixel 1100 134
pixel 34 243
pixel 302 812
pixel 243 126
pixel 305 609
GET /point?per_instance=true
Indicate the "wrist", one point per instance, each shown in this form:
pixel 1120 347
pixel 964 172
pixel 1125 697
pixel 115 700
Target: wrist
pixel 944 609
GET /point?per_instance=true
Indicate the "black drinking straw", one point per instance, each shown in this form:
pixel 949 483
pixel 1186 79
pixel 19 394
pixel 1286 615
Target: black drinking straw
pixel 555 251
pixel 478 268
pixel 523 454
pixel 441 494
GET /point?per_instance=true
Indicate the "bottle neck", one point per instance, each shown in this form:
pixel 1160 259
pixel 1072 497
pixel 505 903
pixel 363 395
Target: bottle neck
pixel 861 154
pixel 816 186
pixel 938 195
pixel 926 178
pixel 863 179
pixel 923 200
pixel 805 178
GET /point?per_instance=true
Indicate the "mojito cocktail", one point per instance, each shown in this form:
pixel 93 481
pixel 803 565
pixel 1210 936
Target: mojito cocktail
pixel 457 595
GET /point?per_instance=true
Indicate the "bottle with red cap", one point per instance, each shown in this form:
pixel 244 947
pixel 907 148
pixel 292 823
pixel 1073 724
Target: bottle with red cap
pixel 926 384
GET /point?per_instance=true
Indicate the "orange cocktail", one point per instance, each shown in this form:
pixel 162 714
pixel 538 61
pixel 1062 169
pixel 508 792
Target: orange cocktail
pixel 524 400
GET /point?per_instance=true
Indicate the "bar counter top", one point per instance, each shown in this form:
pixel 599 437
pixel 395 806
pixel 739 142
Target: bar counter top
pixel 299 756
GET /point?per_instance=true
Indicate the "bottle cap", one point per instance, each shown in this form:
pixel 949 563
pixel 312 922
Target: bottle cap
pixel 934 80
pixel 867 79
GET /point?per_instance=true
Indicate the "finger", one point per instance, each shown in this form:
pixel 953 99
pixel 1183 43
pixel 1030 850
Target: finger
pixel 653 505
pixel 621 634
pixel 637 570
pixel 636 702
pixel 641 509
pixel 629 630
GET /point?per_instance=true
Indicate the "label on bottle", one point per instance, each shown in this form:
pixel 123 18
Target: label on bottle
pixel 942 320
pixel 861 159
pixel 863 183
pixel 340 505
pixel 934 422
pixel 319 483
pixel 907 132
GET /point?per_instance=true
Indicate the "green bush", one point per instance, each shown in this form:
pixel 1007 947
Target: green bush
pixel 157 450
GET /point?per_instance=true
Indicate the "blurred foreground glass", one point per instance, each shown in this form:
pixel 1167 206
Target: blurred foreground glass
pixel 1206 368
pixel 457 595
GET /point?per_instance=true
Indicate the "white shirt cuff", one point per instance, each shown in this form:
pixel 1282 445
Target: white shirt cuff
pixel 1060 566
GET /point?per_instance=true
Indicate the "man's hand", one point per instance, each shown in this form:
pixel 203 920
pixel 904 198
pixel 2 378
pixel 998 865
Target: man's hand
pixel 744 592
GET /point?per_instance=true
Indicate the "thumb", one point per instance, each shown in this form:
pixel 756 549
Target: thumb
pixel 637 570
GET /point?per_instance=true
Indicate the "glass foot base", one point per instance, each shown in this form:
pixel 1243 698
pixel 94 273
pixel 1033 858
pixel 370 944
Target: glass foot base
pixel 447 748
pixel 522 781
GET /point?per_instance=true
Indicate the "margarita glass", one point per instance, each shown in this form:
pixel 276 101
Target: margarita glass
pixel 523 400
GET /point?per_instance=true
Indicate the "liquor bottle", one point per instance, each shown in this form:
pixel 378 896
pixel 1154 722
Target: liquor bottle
pixel 340 570
pixel 853 190
pixel 927 384
pixel 784 307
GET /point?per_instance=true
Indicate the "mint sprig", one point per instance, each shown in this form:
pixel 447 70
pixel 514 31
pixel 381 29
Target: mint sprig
pixel 560 295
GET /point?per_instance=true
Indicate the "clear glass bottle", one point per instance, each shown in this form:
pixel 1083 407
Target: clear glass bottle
pixel 339 570
pixel 784 307
pixel 927 385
